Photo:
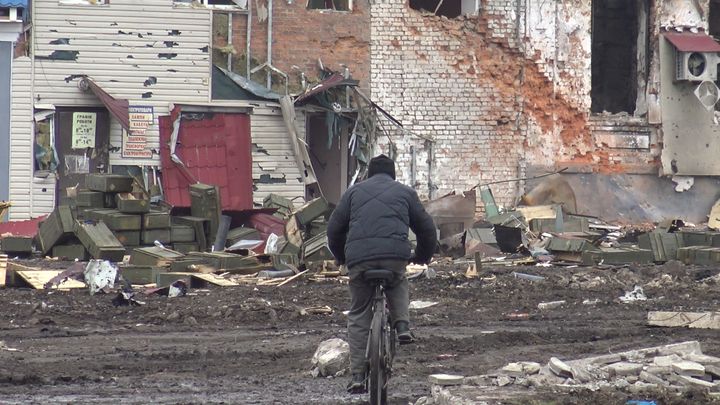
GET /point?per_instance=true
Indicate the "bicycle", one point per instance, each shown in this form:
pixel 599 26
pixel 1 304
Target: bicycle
pixel 381 340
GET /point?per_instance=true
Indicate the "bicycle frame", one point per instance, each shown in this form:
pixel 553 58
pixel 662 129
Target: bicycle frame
pixel 380 347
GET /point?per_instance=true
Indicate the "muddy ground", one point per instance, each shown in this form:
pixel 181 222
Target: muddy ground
pixel 251 345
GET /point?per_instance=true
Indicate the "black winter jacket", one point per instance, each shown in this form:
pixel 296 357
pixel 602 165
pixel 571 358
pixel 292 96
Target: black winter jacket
pixel 371 223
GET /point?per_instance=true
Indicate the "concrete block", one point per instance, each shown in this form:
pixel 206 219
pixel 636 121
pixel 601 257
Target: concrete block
pixel 331 357
pixel 522 368
pixel 703 359
pixel 689 368
pixel 694 382
pixel 624 369
pixel 651 378
pixel 445 379
pixel 666 361
pixel 560 368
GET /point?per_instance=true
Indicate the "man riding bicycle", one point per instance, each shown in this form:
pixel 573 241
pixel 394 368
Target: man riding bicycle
pixel 369 230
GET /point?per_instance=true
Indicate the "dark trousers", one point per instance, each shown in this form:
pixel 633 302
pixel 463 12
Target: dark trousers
pixel 361 294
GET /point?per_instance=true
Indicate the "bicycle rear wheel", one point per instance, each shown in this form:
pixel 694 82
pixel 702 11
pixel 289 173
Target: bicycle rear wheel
pixel 378 348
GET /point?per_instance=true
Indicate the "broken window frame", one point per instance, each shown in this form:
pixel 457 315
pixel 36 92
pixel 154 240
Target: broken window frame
pixel 208 4
pixel 334 5
pixel 84 3
pixel 41 115
pixel 464 8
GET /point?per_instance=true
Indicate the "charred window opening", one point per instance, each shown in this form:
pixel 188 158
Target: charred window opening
pixel 619 50
pixel 447 8
pixel 337 5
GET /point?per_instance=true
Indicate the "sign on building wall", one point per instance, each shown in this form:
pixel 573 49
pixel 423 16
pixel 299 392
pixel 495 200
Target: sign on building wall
pixel 135 141
pixel 83 130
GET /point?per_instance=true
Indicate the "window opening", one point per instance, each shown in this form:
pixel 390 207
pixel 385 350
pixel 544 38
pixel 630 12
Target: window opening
pixel 216 4
pixel 615 47
pixel 337 5
pixel 447 8
pixel 45 156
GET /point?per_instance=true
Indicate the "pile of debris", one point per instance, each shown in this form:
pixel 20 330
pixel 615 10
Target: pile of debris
pixel 113 219
pixel 678 366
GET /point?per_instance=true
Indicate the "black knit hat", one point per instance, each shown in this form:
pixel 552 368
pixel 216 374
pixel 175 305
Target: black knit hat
pixel 381 164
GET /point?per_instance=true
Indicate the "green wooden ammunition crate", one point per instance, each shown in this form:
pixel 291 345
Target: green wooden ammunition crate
pixel 56 228
pixel 570 224
pixel 181 265
pixel 165 279
pixel 186 247
pixel 311 211
pixel 154 256
pixel 70 251
pixel 316 249
pixel 17 244
pixel 575 245
pixel 99 241
pixel 201 226
pixel 281 261
pixel 115 220
pixel 283 205
pixel 149 236
pixel 139 275
pixel 128 238
pixel 182 233
pixel 235 235
pixel 617 256
pixel 205 203
pixel 156 219
pixel 131 204
pixel 223 260
pixel 315 228
pixel 663 245
pixel 114 183
pixel 91 199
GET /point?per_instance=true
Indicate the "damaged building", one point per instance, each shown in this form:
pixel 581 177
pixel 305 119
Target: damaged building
pixel 176 92
pixel 619 95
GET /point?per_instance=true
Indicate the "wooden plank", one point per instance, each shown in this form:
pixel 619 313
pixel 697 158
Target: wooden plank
pixel 215 279
pixel 292 278
pixel 699 320
pixel 537 212
pixel 3 269
pixel 38 278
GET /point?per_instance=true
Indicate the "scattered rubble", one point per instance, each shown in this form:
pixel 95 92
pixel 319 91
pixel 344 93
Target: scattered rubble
pixel 331 358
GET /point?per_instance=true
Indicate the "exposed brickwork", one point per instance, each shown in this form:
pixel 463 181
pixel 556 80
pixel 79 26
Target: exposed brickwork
pixel 451 80
pixel 499 92
pixel 301 36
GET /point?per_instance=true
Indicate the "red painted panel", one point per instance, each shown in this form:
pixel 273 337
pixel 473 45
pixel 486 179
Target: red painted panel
pixel 216 149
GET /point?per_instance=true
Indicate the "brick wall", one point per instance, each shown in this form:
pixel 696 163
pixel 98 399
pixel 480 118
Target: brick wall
pixel 302 36
pixel 452 80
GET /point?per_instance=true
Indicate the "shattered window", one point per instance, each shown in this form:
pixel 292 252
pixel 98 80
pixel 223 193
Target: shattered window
pixel 337 5
pixel 218 4
pixel 45 155
pixel 83 2
pixel 447 8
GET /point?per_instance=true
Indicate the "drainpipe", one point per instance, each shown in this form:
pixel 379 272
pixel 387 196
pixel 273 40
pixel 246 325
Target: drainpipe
pixel 247 38
pixel 32 107
pixel 269 44
pixel 229 41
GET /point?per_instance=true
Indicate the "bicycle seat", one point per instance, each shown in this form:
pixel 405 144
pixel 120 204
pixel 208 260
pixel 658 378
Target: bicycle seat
pixel 378 275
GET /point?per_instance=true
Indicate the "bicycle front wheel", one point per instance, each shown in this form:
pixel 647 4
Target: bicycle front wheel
pixel 378 375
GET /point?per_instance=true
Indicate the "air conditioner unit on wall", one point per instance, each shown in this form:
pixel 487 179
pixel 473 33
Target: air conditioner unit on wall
pixel 696 66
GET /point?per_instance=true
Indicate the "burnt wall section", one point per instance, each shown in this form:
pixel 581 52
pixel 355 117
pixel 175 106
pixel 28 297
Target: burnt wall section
pixel 300 37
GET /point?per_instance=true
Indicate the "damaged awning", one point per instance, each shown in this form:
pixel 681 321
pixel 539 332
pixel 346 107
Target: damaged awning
pixel 117 107
pixel 335 80
pixel 690 42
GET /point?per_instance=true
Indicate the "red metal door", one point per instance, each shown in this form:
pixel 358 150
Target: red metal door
pixel 215 149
